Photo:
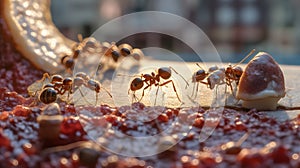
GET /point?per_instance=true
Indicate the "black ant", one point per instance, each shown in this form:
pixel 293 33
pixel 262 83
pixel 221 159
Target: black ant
pixel 154 79
pixel 58 85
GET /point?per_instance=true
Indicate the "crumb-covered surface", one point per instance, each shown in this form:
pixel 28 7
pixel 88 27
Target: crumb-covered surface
pixel 16 73
pixel 270 142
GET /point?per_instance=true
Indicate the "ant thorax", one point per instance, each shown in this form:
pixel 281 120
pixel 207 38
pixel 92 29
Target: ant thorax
pixel 217 77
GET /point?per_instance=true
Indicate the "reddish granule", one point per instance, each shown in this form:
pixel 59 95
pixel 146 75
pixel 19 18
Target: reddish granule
pixel 16 73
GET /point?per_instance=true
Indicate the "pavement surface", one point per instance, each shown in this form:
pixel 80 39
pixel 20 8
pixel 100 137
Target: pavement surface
pixel 117 80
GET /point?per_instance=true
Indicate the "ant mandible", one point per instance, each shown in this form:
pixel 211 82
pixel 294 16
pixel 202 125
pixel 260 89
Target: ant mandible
pixel 154 79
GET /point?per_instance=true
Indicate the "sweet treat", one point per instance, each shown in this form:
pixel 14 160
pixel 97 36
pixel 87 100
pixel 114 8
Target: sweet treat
pixel 262 83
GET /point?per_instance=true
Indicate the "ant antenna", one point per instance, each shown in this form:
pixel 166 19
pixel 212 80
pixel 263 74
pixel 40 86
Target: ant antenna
pixel 179 75
pixel 129 75
pixel 251 52
pixel 199 65
pixel 106 91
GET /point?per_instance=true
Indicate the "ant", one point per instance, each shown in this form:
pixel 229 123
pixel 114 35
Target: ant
pixel 218 76
pixel 86 44
pixel 59 86
pixel 115 52
pixel 82 79
pixel 154 79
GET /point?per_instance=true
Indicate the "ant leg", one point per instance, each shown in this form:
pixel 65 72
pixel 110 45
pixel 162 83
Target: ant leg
pixel 156 95
pixel 35 101
pixel 143 93
pixel 96 99
pixel 197 90
pixel 193 90
pixel 226 95
pixel 46 75
pixel 179 75
pixel 134 98
pixel 80 91
pixel 228 82
pixel 107 92
pixel 128 91
pixel 205 83
pixel 173 87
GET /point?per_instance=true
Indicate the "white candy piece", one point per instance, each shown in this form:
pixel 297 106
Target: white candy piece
pixel 262 84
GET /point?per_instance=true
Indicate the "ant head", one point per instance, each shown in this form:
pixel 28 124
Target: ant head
pixel 76 52
pixel 238 70
pixel 67 61
pixel 56 78
pixel 137 54
pixel 67 81
pixel 199 75
pixel 115 55
pixel 136 84
pixel 164 72
pixel 90 42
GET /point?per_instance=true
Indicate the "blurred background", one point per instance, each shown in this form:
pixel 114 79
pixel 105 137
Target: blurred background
pixel 234 26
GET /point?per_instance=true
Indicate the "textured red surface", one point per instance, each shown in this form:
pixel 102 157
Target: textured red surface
pixel 270 143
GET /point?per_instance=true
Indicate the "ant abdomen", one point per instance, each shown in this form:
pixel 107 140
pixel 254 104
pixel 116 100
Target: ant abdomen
pixel 48 95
